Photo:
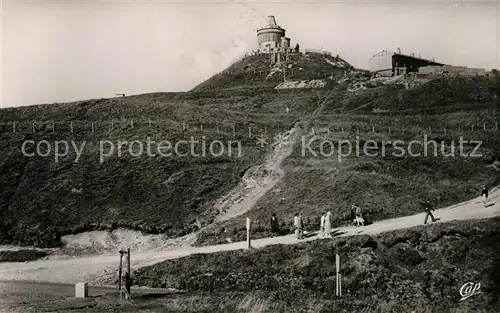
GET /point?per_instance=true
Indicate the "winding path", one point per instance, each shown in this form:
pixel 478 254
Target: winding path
pixel 84 269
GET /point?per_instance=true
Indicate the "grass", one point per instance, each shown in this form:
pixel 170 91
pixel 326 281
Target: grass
pixel 420 266
pixel 41 200
pixel 420 269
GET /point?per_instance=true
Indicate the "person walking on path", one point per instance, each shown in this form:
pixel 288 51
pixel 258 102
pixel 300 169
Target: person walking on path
pixel 274 224
pixel 297 222
pixel 428 209
pixel 322 225
pixel 484 194
pixel 353 214
pixel 328 224
pixel 358 219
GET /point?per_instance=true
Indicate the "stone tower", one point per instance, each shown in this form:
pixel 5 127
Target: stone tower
pixel 271 37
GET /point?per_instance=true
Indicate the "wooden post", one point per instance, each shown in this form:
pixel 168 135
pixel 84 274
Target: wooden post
pixel 249 245
pixel 249 131
pixel 120 273
pixel 201 127
pixel 13 127
pixel 484 126
pixel 342 129
pixel 373 129
pixel 472 127
pixel 33 126
pixel 71 126
pixel 183 125
pixel 234 131
pixel 128 275
pixel 338 285
pixel 132 123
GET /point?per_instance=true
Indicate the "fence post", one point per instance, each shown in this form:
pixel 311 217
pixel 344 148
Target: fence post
pixel 234 131
pixel 249 245
pixel 13 127
pixel 338 289
pixel 250 132
pixel 484 126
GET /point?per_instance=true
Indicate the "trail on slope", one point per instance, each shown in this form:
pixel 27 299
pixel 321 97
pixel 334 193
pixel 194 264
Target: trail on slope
pixel 257 180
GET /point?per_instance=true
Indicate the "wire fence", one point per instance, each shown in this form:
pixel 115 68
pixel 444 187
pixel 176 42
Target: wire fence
pixel 235 129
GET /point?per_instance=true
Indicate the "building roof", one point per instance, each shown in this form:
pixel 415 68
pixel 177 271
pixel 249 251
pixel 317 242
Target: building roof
pixel 416 58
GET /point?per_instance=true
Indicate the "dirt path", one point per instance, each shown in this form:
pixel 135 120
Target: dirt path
pixel 88 268
pixel 258 180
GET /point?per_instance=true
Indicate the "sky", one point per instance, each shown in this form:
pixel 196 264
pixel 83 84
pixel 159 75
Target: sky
pixel 60 51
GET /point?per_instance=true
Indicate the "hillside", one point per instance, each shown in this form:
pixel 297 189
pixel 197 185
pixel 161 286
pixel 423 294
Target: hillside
pixel 256 71
pixel 416 270
pixel 420 269
pixel 41 200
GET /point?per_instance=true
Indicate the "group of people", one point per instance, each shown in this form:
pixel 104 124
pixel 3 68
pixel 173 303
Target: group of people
pixel 356 217
pixel 325 223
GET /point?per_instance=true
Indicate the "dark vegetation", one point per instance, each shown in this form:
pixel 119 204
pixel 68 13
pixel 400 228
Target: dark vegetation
pixel 422 267
pixel 21 255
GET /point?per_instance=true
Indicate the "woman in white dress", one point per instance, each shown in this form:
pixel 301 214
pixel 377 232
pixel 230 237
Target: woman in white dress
pixel 322 225
pixel 328 224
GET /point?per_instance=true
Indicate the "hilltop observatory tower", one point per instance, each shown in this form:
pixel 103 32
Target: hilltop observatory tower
pixel 271 37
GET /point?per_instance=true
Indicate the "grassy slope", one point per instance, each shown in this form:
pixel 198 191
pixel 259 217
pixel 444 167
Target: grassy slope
pixel 418 270
pixel 385 186
pixel 422 268
pixel 37 201
pixel 38 204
